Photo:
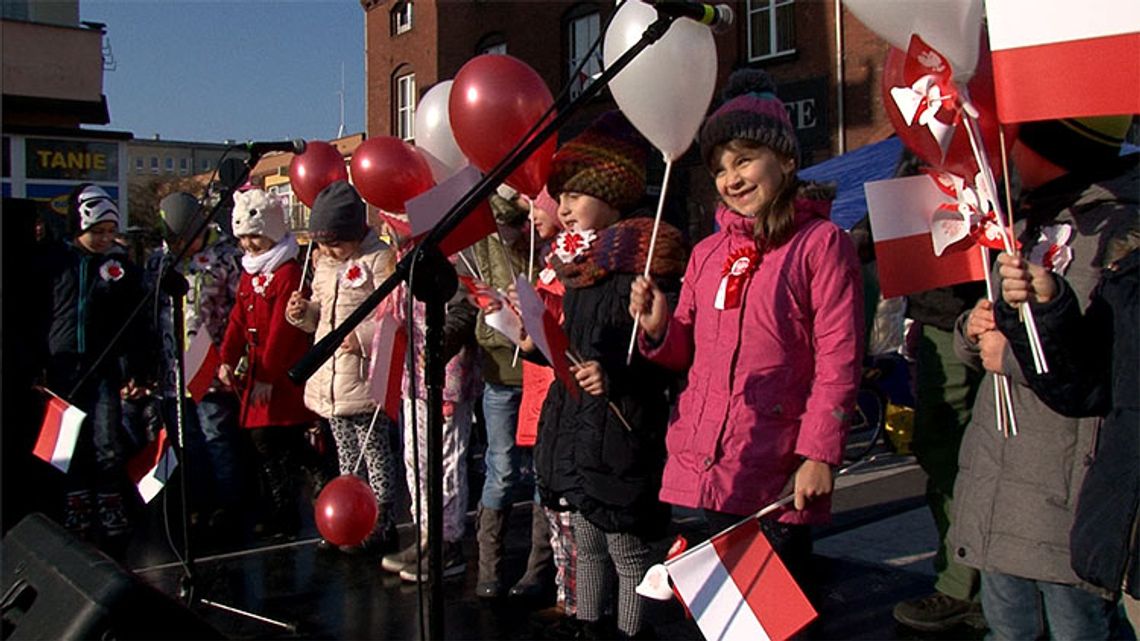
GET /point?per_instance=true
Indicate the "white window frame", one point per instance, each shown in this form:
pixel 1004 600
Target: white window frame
pixel 402 18
pixel 405 125
pixel 183 166
pixel 140 165
pixel 499 48
pixel 773 7
pixel 582 31
pixel 169 164
pixel 154 165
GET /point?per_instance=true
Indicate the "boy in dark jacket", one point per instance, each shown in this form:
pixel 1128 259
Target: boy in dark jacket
pixel 588 461
pixel 1092 372
pixel 93 288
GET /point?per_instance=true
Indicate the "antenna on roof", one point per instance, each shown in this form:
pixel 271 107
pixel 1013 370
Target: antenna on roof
pixel 340 130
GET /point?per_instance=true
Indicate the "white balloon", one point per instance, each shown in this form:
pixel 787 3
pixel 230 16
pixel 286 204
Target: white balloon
pixel 951 27
pixel 667 89
pixel 433 133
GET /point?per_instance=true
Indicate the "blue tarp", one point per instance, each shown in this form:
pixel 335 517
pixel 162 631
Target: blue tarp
pixel 871 162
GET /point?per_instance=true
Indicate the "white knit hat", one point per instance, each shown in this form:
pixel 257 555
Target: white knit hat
pixel 94 206
pixel 257 213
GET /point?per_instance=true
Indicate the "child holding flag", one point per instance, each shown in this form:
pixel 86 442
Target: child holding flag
pixel 92 289
pixel 768 327
pixel 259 348
pixel 588 460
pixel 352 263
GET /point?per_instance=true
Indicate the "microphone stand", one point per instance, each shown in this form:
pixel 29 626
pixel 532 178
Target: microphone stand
pixel 426 255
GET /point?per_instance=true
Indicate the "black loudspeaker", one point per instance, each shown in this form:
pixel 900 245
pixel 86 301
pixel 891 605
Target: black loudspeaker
pixel 57 587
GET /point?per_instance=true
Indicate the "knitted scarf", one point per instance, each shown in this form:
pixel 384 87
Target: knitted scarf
pixel 622 248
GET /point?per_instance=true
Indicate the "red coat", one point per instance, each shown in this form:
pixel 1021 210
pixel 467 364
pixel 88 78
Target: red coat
pixel 258 321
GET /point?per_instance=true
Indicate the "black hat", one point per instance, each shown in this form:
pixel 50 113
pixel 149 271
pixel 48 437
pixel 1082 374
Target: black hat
pixel 338 214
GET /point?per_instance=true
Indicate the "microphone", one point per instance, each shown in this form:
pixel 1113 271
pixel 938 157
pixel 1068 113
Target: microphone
pixel 719 17
pixel 296 146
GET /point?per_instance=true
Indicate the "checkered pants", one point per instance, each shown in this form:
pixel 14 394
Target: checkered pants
pixel 630 556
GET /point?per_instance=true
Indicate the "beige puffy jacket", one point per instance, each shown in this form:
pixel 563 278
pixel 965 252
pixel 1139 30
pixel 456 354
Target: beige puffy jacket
pixel 340 386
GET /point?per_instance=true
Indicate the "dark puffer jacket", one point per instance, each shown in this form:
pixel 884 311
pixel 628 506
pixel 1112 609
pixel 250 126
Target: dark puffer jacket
pixel 1092 372
pixel 92 296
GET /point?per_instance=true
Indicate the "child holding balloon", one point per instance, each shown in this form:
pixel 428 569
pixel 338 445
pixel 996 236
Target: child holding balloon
pixel 351 264
pixel 259 347
pixel 600 449
pixel 767 326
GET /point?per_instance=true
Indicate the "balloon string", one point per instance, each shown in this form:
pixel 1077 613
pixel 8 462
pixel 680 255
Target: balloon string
pixel 364 444
pixel 529 265
pixel 652 246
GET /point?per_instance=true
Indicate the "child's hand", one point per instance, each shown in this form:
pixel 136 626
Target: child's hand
pixel 260 393
pixel 1023 281
pixel 589 377
pixel 132 391
pixel 813 479
pixel 351 344
pixel 992 345
pixel 647 300
pixel 297 306
pixel 226 375
pixel 981 320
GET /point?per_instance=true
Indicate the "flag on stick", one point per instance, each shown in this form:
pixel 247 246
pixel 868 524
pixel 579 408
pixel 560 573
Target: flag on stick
pixel 427 209
pixel 58 432
pixel 1055 59
pixel 200 364
pixel 737 588
pixel 546 333
pixel 902 219
pixel 152 466
pixel 386 372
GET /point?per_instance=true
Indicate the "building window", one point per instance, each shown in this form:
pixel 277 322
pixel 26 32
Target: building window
pixel 405 106
pixel 184 166
pixel 154 164
pixel 581 33
pixel 401 18
pixel 771 28
pixel 139 165
pixel 205 164
pixel 296 213
pixel 169 165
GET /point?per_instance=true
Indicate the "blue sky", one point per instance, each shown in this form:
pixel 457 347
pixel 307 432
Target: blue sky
pixel 242 69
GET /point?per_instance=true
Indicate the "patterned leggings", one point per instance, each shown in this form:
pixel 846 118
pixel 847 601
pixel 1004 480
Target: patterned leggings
pixel 565 558
pixel 379 466
pixel 631 558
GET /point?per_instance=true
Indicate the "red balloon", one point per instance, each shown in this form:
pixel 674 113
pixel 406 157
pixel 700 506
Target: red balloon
pixel 389 172
pixel 319 166
pixel 346 510
pixel 495 100
pixel 959 158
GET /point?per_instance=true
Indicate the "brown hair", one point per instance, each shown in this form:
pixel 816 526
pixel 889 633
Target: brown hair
pixel 775 223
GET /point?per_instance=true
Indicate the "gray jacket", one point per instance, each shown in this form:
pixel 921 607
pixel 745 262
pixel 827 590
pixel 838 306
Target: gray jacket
pixel 1015 497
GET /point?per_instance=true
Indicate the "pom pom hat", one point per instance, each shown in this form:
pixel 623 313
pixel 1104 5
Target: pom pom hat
pixel 750 111
pixel 257 213
pixel 606 161
pixel 338 214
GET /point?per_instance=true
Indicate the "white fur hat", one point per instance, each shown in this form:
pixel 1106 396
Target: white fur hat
pixel 257 213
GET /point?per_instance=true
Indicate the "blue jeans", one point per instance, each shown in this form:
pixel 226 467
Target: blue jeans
pixel 212 448
pixel 503 460
pixel 1017 608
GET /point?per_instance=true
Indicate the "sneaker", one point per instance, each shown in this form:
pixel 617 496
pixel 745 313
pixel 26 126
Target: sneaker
pixel 454 564
pixel 398 561
pixel 939 612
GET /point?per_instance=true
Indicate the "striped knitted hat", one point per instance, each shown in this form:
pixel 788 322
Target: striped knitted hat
pixel 751 111
pixel 1077 144
pixel 606 161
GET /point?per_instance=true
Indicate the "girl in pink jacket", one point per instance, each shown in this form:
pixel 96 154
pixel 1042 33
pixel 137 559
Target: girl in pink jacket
pixel 768 325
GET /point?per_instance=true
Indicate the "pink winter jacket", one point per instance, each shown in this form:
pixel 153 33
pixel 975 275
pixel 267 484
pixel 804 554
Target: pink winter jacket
pixel 771 382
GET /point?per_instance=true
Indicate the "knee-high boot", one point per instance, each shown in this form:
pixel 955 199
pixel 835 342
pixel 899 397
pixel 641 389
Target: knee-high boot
pixel 491 531
pixel 540 563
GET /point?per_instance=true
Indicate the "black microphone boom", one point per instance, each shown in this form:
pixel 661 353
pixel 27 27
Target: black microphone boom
pixel 719 16
pixel 296 146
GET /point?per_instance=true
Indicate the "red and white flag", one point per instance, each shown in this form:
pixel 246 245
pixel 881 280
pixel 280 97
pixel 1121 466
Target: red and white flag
pixel 200 364
pixel 152 466
pixel 546 333
pixel 903 212
pixel 427 209
pixel 504 319
pixel 58 432
pixel 386 372
pixel 737 588
pixel 1057 59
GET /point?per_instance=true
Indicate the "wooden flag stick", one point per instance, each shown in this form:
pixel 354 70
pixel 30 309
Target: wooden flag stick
pixel 577 360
